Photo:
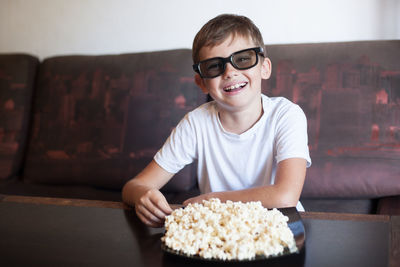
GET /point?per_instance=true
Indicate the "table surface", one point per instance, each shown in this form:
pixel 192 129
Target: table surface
pixel 64 232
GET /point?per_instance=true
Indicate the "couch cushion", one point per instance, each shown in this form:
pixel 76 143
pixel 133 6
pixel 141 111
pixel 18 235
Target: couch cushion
pixel 340 205
pixel 17 78
pixel 350 93
pixel 99 120
pixel 389 206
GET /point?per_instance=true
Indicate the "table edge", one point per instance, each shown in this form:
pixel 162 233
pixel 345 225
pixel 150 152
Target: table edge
pixel 121 205
pixel 63 201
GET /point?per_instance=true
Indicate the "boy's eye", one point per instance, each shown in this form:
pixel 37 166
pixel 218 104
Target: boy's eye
pixel 213 65
pixel 243 59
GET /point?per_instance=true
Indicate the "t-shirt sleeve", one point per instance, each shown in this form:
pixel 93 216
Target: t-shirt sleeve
pixel 180 147
pixel 291 140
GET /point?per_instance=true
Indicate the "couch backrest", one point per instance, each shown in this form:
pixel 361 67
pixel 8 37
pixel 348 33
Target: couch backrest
pixel 350 93
pixel 99 120
pixel 17 78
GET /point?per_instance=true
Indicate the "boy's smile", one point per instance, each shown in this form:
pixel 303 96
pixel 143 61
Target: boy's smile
pixel 235 87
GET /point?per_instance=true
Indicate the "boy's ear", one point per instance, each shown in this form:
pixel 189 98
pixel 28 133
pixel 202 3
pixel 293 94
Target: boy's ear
pixel 266 68
pixel 200 83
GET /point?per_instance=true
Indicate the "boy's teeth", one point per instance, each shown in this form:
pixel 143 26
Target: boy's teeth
pixel 235 86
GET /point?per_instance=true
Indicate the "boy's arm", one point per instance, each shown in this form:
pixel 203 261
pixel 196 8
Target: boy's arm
pixel 143 193
pixel 289 180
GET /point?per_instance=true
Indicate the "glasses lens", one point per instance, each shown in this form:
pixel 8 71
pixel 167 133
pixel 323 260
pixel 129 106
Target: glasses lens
pixel 245 59
pixel 212 67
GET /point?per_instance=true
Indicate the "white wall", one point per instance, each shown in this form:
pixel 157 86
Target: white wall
pixel 53 27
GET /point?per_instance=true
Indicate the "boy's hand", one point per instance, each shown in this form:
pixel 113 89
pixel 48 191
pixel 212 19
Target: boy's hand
pixel 200 198
pixel 152 207
pixel 143 193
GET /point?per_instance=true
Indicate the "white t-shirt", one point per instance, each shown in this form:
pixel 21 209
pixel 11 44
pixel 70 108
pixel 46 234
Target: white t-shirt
pixel 228 161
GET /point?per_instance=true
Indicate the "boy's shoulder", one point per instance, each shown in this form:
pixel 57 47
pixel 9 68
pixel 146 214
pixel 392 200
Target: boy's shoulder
pixel 279 105
pixel 277 102
pixel 205 111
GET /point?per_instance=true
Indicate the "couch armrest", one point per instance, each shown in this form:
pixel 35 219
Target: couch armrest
pixel 389 205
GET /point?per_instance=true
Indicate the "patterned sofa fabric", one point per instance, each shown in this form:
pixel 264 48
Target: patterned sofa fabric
pixel 350 93
pixel 17 78
pixel 99 120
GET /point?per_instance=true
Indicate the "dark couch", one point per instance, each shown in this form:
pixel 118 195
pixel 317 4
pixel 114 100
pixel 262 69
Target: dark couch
pixel 81 126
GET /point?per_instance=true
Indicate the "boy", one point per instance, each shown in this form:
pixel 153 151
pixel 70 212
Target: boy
pixel 249 147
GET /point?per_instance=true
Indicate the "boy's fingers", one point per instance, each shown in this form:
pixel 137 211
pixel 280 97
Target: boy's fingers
pixel 160 204
pixel 164 206
pixel 148 222
pixel 186 202
pixel 152 212
pixel 148 215
pixel 152 208
pixel 152 202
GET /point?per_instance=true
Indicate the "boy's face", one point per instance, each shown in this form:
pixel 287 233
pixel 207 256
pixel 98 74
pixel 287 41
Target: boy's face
pixel 235 89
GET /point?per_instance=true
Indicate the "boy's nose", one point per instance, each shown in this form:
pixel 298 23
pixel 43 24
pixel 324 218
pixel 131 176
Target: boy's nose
pixel 229 70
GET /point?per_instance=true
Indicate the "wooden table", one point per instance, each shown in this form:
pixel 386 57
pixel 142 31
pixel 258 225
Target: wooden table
pixel 38 231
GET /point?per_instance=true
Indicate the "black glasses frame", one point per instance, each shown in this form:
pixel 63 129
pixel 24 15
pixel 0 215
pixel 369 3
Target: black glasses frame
pixel 257 50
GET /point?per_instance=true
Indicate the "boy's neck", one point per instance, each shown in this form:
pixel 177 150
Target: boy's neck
pixel 240 121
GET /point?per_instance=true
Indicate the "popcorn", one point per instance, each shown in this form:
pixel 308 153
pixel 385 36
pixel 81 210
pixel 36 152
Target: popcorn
pixel 228 231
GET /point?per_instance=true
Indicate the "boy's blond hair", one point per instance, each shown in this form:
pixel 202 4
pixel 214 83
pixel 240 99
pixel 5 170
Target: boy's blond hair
pixel 218 29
